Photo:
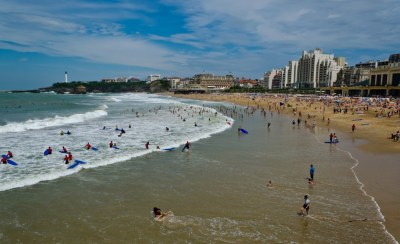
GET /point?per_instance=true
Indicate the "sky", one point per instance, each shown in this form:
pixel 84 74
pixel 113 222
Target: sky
pixel 93 40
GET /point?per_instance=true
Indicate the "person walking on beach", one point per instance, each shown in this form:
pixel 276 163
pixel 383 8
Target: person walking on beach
pixel 353 127
pixel 306 206
pixel 312 170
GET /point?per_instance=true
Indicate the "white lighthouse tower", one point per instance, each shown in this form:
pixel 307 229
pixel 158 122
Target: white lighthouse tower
pixel 66 77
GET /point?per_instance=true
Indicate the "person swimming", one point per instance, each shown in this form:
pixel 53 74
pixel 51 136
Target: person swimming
pixel 158 214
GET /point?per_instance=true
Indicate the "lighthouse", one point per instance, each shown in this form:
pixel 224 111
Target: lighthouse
pixel 66 77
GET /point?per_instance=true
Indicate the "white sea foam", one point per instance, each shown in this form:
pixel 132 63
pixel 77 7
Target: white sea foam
pixel 39 134
pixel 35 124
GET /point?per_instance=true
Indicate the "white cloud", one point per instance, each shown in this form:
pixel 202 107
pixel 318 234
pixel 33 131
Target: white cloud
pixel 240 36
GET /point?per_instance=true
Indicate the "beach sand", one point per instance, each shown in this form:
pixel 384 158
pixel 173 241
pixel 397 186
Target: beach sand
pixel 369 144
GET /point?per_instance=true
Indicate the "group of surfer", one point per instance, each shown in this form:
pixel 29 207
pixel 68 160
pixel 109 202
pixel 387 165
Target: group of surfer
pixel 4 158
pixel 68 133
pixel 68 158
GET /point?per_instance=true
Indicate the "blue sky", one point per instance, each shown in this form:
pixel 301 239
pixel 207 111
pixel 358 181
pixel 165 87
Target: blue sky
pixel 41 39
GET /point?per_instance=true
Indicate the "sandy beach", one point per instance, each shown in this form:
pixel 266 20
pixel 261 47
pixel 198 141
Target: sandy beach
pixel 370 143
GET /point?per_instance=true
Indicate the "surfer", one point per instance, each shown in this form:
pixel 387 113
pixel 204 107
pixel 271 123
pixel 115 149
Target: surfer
pixel 269 184
pixel 122 131
pixel 66 160
pixel 104 127
pixel 330 138
pixel 62 133
pixel 187 146
pixel 4 160
pixel 147 145
pixel 306 206
pixel 166 128
pixel 64 150
pixel 49 150
pixel 69 156
pixel 312 170
pixel 88 146
pixel 111 144
pixel 130 126
pixel 9 154
pixel 68 133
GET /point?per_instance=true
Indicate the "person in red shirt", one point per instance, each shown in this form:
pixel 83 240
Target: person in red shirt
pixel 4 160
pixel 49 150
pixel 66 160
pixel 88 146
pixel 69 156
pixel 9 154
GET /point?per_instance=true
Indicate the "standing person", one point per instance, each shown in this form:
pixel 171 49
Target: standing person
pixel 147 145
pixel 69 156
pixel 187 146
pixel 66 160
pixel 330 137
pixel 306 206
pixel 111 144
pixel 353 127
pixel 312 170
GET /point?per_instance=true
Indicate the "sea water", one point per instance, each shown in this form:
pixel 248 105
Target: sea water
pixel 217 189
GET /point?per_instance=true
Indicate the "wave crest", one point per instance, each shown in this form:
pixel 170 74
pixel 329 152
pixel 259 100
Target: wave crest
pixel 35 124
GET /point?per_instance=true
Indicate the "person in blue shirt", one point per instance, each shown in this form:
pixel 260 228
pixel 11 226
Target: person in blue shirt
pixel 312 170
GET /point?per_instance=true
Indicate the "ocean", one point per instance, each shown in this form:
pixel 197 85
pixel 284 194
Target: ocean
pixel 217 190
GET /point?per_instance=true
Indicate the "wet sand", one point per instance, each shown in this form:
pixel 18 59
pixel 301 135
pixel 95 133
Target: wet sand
pixel 369 144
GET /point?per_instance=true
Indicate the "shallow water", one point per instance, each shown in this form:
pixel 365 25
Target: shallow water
pixel 217 191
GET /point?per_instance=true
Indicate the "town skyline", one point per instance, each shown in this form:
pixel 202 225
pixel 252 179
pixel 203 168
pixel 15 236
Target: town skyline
pixel 92 41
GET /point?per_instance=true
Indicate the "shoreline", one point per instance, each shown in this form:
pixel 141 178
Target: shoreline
pixel 376 167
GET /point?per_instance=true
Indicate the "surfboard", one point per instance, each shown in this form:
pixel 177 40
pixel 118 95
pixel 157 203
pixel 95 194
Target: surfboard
pixel 332 142
pixel 76 163
pixel 243 131
pixel 115 147
pixel 94 149
pixel 169 149
pixel 63 151
pixel 9 161
pixel 46 152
